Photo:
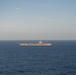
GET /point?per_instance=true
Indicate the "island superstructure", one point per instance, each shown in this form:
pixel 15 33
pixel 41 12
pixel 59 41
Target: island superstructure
pixel 35 44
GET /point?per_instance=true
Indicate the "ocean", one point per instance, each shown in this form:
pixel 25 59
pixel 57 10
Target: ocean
pixel 58 59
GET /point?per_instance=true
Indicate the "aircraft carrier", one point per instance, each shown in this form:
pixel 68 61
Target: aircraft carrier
pixel 35 44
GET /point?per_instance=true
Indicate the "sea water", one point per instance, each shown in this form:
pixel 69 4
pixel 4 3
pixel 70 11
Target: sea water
pixel 58 59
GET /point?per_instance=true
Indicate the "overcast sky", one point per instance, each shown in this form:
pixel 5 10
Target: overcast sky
pixel 37 19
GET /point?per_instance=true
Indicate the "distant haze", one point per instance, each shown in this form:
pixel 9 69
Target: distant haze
pixel 37 19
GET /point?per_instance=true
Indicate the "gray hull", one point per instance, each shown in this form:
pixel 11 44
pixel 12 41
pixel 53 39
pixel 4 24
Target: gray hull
pixel 36 44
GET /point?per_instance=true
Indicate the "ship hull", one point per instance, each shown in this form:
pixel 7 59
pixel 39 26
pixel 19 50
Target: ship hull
pixel 35 44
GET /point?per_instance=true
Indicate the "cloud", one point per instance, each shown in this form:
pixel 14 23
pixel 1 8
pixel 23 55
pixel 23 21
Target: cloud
pixel 17 8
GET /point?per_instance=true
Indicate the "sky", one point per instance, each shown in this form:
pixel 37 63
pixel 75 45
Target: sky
pixel 37 19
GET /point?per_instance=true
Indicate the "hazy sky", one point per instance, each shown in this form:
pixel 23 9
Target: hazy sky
pixel 37 19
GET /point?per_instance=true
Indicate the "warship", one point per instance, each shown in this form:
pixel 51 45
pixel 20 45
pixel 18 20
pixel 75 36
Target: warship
pixel 35 44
